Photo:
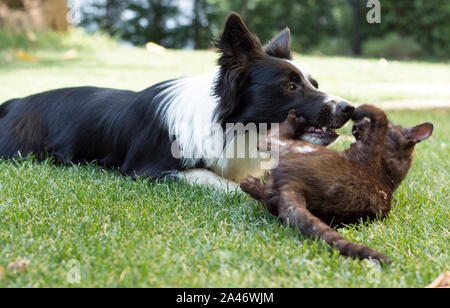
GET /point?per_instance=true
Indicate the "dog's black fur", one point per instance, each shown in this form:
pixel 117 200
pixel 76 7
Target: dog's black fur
pixel 116 128
pixel 127 130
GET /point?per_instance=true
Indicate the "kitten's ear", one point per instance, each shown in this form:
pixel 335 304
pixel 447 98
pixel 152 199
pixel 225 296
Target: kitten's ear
pixel 237 42
pixel 280 46
pixel 419 133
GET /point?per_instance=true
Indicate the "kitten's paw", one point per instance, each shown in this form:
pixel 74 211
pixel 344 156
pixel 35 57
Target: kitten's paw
pixel 359 251
pixel 380 260
pixel 254 187
pixel 250 183
pixel 292 115
pixel 293 127
pixel 374 256
pixel 359 128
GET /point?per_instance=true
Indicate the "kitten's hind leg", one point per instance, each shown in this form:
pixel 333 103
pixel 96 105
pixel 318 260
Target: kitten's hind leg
pixel 292 211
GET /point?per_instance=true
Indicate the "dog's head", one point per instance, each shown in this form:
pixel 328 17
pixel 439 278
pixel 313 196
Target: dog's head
pixel 260 84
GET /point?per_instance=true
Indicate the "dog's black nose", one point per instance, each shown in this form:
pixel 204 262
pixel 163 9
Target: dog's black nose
pixel 346 108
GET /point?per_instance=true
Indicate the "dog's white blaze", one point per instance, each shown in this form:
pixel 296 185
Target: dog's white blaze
pixel 187 107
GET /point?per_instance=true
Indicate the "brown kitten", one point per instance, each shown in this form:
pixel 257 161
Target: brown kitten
pixel 313 187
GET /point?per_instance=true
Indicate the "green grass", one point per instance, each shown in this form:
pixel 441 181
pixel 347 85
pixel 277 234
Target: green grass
pixel 139 234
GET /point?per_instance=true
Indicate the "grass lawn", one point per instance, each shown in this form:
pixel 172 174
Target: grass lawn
pixel 139 234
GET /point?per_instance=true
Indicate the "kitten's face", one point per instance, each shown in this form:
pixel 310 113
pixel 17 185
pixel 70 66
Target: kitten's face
pixel 399 143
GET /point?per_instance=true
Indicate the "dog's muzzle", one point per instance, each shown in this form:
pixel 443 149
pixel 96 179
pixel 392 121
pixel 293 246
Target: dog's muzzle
pixel 335 113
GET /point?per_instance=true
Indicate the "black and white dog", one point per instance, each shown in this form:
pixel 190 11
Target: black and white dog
pixel 136 131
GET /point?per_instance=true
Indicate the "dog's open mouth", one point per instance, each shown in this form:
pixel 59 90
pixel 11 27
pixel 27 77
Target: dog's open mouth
pixel 319 135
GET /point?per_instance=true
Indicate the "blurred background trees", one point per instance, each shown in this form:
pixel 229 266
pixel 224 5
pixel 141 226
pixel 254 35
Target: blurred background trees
pixel 193 23
pixel 412 28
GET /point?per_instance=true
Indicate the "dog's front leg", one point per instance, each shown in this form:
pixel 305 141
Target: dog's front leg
pixel 208 178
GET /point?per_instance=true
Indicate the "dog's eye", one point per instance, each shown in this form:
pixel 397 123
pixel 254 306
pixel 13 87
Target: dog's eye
pixel 291 87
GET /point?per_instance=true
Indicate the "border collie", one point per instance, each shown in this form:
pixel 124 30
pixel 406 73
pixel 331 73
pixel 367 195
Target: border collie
pixel 136 131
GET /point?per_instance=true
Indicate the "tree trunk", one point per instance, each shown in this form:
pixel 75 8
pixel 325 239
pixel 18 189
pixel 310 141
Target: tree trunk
pixel 357 27
pixel 196 24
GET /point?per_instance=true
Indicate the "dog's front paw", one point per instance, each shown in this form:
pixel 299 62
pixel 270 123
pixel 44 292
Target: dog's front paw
pixel 359 128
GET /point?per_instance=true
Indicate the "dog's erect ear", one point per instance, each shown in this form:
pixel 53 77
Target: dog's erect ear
pixel 238 48
pixel 237 41
pixel 418 133
pixel 280 46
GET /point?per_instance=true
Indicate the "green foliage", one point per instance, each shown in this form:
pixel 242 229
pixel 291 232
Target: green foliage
pixel 149 22
pixel 333 47
pixel 310 21
pixel 426 22
pixel 10 39
pixel 136 21
pixel 317 25
pixel 392 46
pixel 14 4
pixel 50 40
pixel 104 15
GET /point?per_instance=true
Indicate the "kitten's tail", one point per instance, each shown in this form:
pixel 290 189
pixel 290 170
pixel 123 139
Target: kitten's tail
pixel 373 139
pixel 313 227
